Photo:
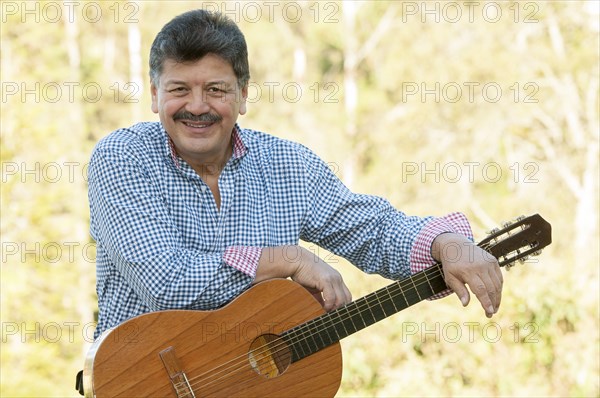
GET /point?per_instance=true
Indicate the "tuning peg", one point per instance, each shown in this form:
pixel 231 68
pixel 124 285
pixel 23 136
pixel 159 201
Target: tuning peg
pixel 493 231
pixel 523 259
pixel 536 253
pixel 507 224
pixel 519 218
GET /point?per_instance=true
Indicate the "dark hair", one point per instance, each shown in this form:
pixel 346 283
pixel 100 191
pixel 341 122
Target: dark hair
pixel 194 34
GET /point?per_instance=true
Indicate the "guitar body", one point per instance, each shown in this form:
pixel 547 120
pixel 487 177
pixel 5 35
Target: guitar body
pixel 211 350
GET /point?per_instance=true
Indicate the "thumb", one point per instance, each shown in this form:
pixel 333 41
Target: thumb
pixel 459 288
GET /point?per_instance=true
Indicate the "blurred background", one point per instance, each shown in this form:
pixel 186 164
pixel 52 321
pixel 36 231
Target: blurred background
pixel 488 108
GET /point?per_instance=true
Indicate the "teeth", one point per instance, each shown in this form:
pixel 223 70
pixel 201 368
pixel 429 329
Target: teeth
pixel 195 125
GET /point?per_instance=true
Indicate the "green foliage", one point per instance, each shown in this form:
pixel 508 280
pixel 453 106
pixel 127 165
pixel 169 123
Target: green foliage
pixel 535 149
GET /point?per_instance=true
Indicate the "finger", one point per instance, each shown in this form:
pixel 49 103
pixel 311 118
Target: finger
pixel 483 288
pixel 498 273
pixel 459 288
pixel 347 294
pixel 497 281
pixel 328 299
pixel 331 297
pixel 340 295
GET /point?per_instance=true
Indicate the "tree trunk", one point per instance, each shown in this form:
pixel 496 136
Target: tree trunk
pixel 349 9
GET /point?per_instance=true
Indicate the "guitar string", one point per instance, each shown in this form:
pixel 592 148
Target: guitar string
pixel 309 336
pixel 307 333
pixel 305 336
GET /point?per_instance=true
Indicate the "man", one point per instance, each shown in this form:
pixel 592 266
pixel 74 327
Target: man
pixel 189 212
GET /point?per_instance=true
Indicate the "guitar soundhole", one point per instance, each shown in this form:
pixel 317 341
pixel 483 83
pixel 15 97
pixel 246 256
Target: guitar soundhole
pixel 269 355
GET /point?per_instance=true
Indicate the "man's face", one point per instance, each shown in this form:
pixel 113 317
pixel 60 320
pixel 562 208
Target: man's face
pixel 198 104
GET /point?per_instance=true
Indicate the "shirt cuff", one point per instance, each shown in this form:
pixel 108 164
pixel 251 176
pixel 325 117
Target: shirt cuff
pixel 420 256
pixel 243 258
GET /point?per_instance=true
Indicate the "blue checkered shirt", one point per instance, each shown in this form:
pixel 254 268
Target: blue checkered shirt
pixel 162 243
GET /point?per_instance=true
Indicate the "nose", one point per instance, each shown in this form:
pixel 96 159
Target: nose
pixel 197 103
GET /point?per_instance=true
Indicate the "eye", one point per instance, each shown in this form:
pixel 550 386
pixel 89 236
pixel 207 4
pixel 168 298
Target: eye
pixel 177 90
pixel 215 90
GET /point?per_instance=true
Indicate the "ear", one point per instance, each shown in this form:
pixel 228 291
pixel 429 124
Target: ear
pixel 243 98
pixel 154 93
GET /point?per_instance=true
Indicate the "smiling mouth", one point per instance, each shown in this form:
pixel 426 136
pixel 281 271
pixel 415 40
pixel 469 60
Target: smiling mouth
pixel 197 125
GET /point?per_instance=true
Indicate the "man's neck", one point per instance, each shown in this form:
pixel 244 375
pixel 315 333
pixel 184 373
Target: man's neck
pixel 210 167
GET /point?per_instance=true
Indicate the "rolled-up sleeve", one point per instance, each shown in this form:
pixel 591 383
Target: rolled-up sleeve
pixel 421 257
pixel 243 258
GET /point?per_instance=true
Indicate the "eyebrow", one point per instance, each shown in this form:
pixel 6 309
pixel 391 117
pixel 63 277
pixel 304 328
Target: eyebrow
pixel 214 82
pixel 173 81
pixel 210 83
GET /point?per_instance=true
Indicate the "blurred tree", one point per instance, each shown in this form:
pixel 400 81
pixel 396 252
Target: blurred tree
pixel 494 113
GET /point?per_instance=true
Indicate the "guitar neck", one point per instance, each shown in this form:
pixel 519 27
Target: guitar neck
pixel 514 241
pixel 312 336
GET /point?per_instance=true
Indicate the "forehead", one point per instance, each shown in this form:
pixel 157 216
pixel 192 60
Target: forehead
pixel 211 67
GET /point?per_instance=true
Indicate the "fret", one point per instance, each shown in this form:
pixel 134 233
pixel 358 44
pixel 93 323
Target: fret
pixel 330 324
pixel 367 311
pixel 289 340
pixel 429 283
pixel 435 279
pixel 310 333
pixel 347 322
pixel 403 293
pixel 357 314
pixel 411 293
pixel 339 331
pixel 337 334
pixel 300 342
pixel 321 329
pixel 412 279
pixel 392 298
pixel 387 302
pixel 376 307
pixel 425 286
pixel 326 335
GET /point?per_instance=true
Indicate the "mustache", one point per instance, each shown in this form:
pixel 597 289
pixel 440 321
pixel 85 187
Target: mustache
pixel 204 117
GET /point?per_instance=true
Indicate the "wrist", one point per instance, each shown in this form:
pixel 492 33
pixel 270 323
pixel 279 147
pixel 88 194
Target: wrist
pixel 447 244
pixel 278 262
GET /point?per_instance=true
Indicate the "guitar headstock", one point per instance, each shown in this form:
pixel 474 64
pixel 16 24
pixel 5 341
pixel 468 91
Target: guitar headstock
pixel 519 239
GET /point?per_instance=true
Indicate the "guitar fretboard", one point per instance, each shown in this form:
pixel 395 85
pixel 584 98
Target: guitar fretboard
pixel 312 336
pixel 516 240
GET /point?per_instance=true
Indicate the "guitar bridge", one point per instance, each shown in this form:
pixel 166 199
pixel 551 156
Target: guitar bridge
pixel 178 378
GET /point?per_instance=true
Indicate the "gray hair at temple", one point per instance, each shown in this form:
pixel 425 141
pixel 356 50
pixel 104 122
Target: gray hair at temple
pixel 194 34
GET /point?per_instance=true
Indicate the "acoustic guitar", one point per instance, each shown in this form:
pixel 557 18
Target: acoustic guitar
pixel 274 340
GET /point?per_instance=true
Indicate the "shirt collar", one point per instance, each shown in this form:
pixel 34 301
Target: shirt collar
pixel 239 148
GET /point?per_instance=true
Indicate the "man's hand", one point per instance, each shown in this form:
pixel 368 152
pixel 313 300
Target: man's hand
pixel 307 269
pixel 464 263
